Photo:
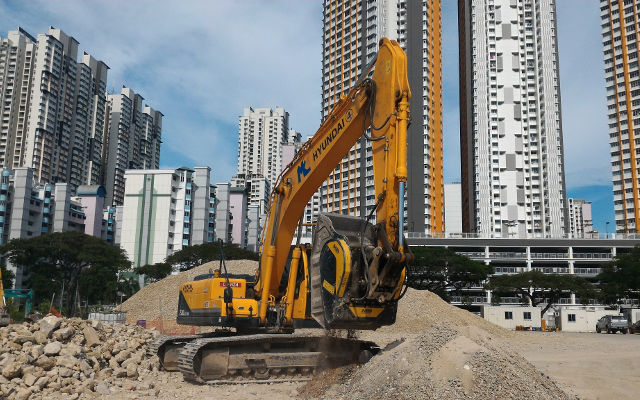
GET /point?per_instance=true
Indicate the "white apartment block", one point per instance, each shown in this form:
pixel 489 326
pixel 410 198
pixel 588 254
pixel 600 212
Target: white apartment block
pixel 29 209
pixel 452 208
pixel 351 32
pixel 511 134
pixel 133 135
pixel 580 220
pixel 623 103
pixel 52 107
pixel 266 145
pixel 17 53
pixel 164 211
pixel 261 134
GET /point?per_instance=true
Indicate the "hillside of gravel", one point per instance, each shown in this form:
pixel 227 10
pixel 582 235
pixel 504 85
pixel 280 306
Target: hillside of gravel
pixel 443 363
pixel 421 309
pixel 436 351
pixel 72 358
pixel 162 297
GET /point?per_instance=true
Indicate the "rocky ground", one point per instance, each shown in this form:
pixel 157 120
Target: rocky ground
pixel 72 358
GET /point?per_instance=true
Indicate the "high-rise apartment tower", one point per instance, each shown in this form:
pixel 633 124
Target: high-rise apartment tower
pixel 52 108
pixel 510 127
pixel 132 140
pixel 620 38
pixel 264 138
pixel 351 32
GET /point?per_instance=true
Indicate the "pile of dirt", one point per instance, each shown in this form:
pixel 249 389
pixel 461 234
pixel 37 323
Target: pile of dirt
pixel 437 351
pixel 161 298
pixel 72 358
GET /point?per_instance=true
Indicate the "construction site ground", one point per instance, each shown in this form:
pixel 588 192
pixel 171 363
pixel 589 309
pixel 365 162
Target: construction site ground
pixel 585 366
pixel 433 351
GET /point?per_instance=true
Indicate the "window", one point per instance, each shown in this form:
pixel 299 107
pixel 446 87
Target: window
pixel 571 317
pixel 527 315
pixel 508 315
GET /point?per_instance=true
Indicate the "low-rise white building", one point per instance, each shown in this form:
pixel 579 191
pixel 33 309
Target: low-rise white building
pixel 580 318
pixel 509 317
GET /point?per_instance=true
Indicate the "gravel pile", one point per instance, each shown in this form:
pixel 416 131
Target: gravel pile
pixel 72 358
pixel 442 363
pixel 437 351
pixel 421 309
pixel 148 303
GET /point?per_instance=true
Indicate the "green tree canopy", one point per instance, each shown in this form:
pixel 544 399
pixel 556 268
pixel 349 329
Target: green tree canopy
pixel 154 272
pixel 620 279
pixel 7 277
pixel 193 256
pixel 538 287
pixel 68 259
pixel 440 269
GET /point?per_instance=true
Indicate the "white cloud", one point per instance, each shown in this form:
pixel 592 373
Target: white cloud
pixel 199 62
pixel 202 62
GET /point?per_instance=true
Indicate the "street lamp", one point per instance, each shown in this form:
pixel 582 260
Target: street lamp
pixel 606 229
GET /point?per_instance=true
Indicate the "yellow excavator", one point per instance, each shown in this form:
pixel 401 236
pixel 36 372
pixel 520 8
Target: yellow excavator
pixel 4 316
pixel 351 276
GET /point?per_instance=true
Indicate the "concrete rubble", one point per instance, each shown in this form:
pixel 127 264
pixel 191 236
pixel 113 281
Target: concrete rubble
pixel 72 358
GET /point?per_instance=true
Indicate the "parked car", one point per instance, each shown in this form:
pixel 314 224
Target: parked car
pixel 613 324
pixel 635 328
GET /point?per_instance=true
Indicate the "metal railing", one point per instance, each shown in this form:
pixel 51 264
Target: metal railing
pixel 473 235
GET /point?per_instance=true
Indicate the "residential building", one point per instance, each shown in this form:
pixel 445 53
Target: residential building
pixel 261 134
pixel 52 107
pixel 620 38
pixel 351 32
pixel 133 134
pixel 29 209
pixel 513 180
pixel 452 208
pixel 223 216
pixel 238 208
pixel 165 211
pixel 580 220
pixel 17 54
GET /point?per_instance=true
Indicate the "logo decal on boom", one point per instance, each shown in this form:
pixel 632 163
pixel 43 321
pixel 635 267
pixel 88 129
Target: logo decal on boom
pixel 302 169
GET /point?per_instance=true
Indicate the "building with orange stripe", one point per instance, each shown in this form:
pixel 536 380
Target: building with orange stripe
pixel 351 31
pixel 620 38
pixel 512 158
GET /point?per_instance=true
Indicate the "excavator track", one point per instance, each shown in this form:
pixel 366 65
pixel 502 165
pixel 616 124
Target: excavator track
pixel 267 358
pixel 168 347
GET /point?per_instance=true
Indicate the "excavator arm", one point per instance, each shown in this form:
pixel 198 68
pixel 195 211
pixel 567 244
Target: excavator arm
pixel 380 103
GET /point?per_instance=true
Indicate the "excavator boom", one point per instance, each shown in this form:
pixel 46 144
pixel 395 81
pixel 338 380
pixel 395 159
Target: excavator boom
pixel 381 103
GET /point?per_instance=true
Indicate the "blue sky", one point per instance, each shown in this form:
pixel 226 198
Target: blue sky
pixel 202 62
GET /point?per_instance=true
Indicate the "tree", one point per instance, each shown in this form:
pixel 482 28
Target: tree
pixel 65 260
pixel 538 287
pixel 155 272
pixel 7 277
pixel 620 279
pixel 440 270
pixel 193 256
